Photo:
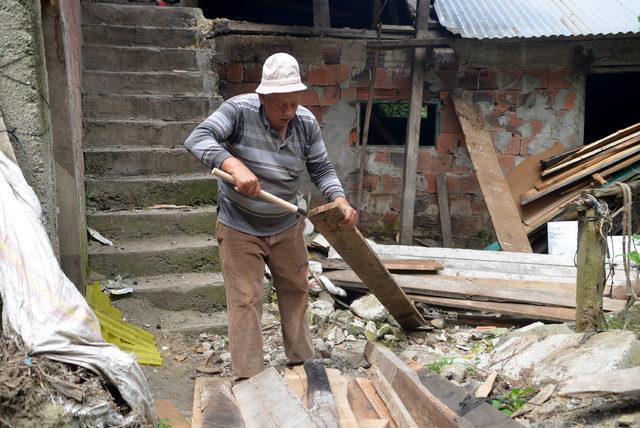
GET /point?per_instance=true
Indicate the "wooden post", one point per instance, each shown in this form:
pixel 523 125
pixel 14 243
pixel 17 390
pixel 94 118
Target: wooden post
pixel 443 208
pixel 592 249
pixel 413 129
pixel 321 15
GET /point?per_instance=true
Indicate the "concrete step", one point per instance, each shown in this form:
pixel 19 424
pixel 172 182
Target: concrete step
pixel 120 193
pixel 129 224
pixel 153 82
pixel 203 292
pixel 126 58
pixel 124 35
pixel 147 107
pixel 107 162
pixel 132 133
pixel 156 255
pixel 140 15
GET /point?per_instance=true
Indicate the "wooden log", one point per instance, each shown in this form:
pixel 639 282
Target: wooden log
pixel 339 389
pixel 319 396
pixel 369 391
pixel 214 404
pixel 503 212
pixel 355 250
pixel 397 265
pixel 614 191
pixel 412 141
pixel 590 279
pixel 321 16
pixel 443 208
pixel 398 411
pixel 265 401
pixel 433 40
pixel 422 406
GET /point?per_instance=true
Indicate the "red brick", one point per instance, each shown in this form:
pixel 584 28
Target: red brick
pixel 424 161
pixel 478 206
pixel 559 78
pixel 370 182
pixel 383 79
pixel 507 162
pixel 483 96
pixel 459 207
pixel 468 79
pixel 487 79
pixel 232 89
pixel 569 100
pixel 512 79
pixel 329 74
pixel 454 186
pixel 446 104
pixel 505 100
pixel 536 78
pixel 384 157
pixel 449 123
pixel 331 53
pixel 401 78
pixel 318 112
pixel 390 184
pixel 469 184
pixel 330 95
pixel 348 94
pixel 513 122
pixel 222 72
pixel 309 98
pixel 446 142
pixel 235 72
pixel 429 179
pixel 460 168
pixel 448 80
pixel 524 147
pixel 252 73
pixel 441 163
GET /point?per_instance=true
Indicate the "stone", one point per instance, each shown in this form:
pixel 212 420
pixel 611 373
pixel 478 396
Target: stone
pixel 371 331
pixel 390 337
pixel 369 308
pixel 281 358
pixel 383 330
pixel 625 382
pixel 438 323
pixel 454 372
pixel 336 335
pixel 320 311
pixel 462 338
pixel 350 354
pixel 626 420
pixel 321 347
pixel 206 345
pixel 323 295
pixel 341 318
pixel 545 357
pixel 356 327
pixel 225 357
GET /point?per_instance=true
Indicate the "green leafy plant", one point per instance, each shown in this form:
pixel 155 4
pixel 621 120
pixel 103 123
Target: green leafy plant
pixel 511 401
pixel 163 423
pixel 634 255
pixel 437 365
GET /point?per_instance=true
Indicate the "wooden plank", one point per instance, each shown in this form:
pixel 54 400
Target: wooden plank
pixel 355 250
pixel 552 160
pixel 340 393
pixel 432 40
pixel 376 401
pixel 392 265
pixel 412 141
pixel 168 411
pixel 265 401
pixel 358 401
pixel 214 404
pixel 296 380
pixel 546 313
pixel 443 208
pixel 424 408
pixel 373 423
pixel 497 290
pixel 503 212
pixel 320 399
pixel 398 411
pixel 615 136
pixel 321 16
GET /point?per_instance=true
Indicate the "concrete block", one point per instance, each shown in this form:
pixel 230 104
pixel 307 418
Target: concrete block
pixel 152 83
pixel 141 36
pixel 140 15
pixel 140 161
pixel 146 107
pixel 138 58
pixel 142 191
pixel 131 133
pixel 131 224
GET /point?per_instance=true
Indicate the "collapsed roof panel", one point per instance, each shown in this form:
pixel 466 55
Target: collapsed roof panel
pixel 497 19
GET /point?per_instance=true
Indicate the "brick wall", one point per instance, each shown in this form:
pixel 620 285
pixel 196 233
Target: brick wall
pixel 527 109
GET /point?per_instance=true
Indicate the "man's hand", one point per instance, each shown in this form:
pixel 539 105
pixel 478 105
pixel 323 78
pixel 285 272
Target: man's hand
pixel 246 181
pixel 350 215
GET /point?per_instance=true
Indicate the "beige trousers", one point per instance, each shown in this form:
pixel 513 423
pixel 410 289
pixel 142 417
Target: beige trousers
pixel 243 257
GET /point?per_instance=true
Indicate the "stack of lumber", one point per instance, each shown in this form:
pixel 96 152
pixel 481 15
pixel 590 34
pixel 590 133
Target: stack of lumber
pixel 526 285
pixel 391 395
pixel 543 184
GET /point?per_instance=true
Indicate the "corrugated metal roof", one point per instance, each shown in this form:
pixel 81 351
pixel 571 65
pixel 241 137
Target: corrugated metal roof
pixel 497 19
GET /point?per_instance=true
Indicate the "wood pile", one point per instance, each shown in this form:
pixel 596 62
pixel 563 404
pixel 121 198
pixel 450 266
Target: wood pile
pixel 391 395
pixel 544 184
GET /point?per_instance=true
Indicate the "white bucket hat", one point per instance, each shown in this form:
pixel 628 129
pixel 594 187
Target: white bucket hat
pixel 280 74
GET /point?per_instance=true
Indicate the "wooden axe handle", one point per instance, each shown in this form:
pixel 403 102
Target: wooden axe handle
pixel 264 195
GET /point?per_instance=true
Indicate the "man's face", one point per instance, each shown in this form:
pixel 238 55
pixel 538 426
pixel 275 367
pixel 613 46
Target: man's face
pixel 280 109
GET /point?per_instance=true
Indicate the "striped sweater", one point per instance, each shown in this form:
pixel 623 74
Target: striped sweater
pixel 239 128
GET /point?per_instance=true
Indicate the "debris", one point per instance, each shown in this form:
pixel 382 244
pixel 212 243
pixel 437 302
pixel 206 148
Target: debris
pixel 484 390
pixel 371 331
pixel 225 357
pixel 322 347
pixel 454 372
pixel 320 243
pixel 208 370
pixel 167 207
pixel 336 335
pixel 369 308
pixel 350 354
pixel 207 355
pixel 626 420
pixel 538 400
pixel 320 311
pixel 625 382
pixel 356 327
pixel 98 237
pixel 180 358
pixel 116 288
pixel 437 323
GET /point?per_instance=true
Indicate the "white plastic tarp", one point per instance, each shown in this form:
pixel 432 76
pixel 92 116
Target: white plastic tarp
pixel 43 308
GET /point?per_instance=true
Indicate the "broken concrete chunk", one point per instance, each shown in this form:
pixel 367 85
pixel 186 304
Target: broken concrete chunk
pixel 336 335
pixel 438 323
pixel 350 354
pixel 462 338
pixel 384 329
pixel 320 311
pixel 322 347
pixel 356 327
pixel 369 308
pixel 620 382
pixel 454 372
pixel 371 331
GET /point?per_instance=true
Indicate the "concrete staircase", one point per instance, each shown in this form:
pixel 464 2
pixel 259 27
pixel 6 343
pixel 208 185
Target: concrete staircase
pixel 147 82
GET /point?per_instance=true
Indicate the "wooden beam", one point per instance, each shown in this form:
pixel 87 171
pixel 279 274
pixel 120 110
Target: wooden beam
pixel 358 401
pixel 423 407
pixel 320 399
pixel 376 401
pixel 412 141
pixel 590 279
pixel 321 15
pixel 443 208
pixel 168 411
pixel 502 210
pixel 266 401
pixel 340 393
pixel 214 404
pixel 393 265
pixel 614 191
pixel 355 250
pixel 397 409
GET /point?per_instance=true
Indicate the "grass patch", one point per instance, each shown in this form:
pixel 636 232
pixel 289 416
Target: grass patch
pixel 439 364
pixel 511 401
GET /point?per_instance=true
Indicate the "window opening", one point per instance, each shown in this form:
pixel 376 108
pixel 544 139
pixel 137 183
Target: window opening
pixel 388 125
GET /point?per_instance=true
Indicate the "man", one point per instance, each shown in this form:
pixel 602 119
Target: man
pixel 265 141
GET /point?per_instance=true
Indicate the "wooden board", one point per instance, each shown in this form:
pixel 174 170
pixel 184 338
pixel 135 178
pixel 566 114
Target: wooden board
pixel 355 250
pixel 443 208
pixel 609 138
pixel 168 411
pixel 339 388
pixel 423 407
pixel 503 212
pixel 296 380
pixel 376 401
pixel 547 313
pixel 266 401
pixel 391 265
pixel 483 289
pixel 394 403
pixel 214 405
pixel 320 398
pixel 358 401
